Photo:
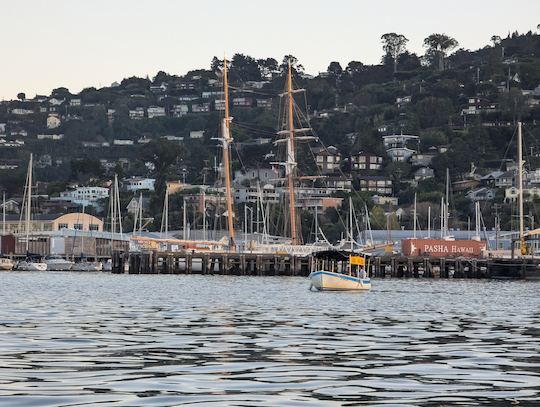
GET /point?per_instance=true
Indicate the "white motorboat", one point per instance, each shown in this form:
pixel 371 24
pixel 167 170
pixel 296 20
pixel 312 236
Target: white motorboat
pixel 85 265
pixel 58 263
pixel 339 270
pixel 31 264
pixel 6 264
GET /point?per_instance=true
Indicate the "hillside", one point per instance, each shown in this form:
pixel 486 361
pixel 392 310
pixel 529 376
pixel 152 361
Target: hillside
pixel 463 107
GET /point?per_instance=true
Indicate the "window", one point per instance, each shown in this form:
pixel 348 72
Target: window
pixel 94 226
pixel 78 226
pixel 62 226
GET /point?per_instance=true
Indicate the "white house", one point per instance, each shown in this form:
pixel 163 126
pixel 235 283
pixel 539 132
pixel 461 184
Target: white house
pixel 54 137
pixel 196 134
pixel 86 196
pixel 137 113
pixel 123 142
pixel 397 146
pixel 179 110
pixel 135 184
pixel 156 111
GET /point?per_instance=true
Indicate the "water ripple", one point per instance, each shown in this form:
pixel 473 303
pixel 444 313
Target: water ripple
pixel 101 339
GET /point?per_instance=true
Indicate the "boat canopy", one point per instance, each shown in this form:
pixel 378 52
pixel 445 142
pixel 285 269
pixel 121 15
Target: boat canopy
pixel 339 255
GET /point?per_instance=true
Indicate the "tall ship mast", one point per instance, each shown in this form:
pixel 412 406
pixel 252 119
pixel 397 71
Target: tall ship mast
pixel 290 134
pixel 226 141
pixel 291 160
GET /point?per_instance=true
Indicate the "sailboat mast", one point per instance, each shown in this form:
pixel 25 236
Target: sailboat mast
pixel 414 217
pixel 429 222
pixel 291 160
pixel 227 139
pixel 447 204
pixel 351 233
pixel 28 202
pixel 4 214
pixel 520 180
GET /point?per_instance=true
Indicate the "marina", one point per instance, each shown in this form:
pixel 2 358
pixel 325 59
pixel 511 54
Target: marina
pixel 253 264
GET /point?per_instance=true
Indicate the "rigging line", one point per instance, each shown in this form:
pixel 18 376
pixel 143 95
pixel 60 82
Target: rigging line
pixel 255 91
pixel 343 223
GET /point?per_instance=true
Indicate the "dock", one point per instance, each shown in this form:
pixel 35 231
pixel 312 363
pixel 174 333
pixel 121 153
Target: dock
pixel 269 264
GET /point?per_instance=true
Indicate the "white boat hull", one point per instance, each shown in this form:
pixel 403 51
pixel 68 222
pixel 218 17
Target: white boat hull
pixel 6 264
pixel 30 266
pixel 325 280
pixel 59 266
pixel 87 266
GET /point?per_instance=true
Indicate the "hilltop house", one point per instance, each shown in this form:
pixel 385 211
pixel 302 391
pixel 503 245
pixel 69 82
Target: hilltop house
pixel 481 194
pixel 398 146
pixel 365 161
pixel 379 184
pixel 155 111
pixel 498 179
pixel 137 113
pixel 328 159
pixel 133 205
pixel 85 196
pixel 135 184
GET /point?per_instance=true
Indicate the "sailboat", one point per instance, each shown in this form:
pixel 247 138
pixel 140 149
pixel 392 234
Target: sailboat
pixel 84 264
pixel 33 261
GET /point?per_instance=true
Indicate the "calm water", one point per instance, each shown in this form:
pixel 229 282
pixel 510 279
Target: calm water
pixel 88 339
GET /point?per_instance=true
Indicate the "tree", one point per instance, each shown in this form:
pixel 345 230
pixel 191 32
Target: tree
pixel 295 65
pixel 21 96
pixel 335 69
pixel 432 111
pixel 244 68
pixel 163 154
pixel 438 46
pixel 268 67
pixel 394 45
pixel 216 65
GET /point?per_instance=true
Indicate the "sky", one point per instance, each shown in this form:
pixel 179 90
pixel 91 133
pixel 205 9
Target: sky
pixel 76 44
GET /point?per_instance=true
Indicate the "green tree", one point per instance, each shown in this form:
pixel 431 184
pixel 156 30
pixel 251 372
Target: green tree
pixel 394 45
pixel 438 46
pixel 335 69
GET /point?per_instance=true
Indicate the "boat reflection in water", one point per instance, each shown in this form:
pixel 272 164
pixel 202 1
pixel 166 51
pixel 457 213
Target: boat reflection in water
pixel 336 270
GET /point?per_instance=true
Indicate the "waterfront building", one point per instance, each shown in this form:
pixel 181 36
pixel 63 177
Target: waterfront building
pixel 55 222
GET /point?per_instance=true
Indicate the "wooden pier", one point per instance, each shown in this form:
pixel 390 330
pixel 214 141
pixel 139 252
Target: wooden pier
pixel 257 264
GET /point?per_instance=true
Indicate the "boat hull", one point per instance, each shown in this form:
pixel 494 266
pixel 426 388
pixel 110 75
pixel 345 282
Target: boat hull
pixel 328 281
pixel 30 266
pixel 59 266
pixel 87 266
pixel 6 265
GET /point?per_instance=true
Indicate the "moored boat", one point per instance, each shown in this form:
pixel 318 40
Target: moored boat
pixel 339 270
pixel 31 263
pixel 58 263
pixel 6 264
pixel 85 265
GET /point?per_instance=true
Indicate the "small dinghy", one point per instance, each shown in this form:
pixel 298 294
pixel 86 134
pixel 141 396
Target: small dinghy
pixel 339 270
